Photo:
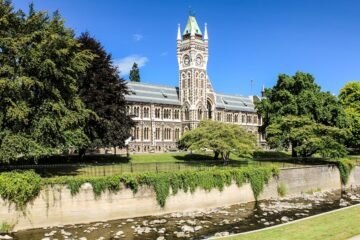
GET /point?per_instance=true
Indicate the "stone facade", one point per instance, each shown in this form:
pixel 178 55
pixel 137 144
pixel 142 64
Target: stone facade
pixel 164 113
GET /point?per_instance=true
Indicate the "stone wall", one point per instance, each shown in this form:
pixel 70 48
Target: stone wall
pixel 55 205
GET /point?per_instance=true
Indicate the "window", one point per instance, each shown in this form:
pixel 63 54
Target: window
pixel 146 112
pixel 157 113
pixel 255 119
pixel 128 110
pixel 136 133
pixel 146 133
pixel 177 134
pixel 176 114
pixel 167 113
pixel 243 118
pixel 137 111
pixel 236 118
pixel 157 133
pixel 229 117
pixel 187 114
pixel 199 114
pixel 219 116
pixel 248 119
pixel 167 133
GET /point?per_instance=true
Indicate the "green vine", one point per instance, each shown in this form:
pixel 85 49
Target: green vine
pixel 163 184
pixel 345 167
pixel 19 188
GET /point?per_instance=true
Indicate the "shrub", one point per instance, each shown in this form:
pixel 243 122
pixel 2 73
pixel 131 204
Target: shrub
pixel 345 166
pixel 282 189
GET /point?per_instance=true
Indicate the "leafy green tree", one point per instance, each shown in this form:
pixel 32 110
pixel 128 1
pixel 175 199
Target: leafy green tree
pixel 299 96
pixel 40 62
pixel 350 99
pixel 135 73
pixel 306 137
pixel 221 138
pixel 103 91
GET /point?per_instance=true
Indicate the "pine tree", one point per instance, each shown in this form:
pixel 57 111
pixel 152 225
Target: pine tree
pixel 135 73
pixel 103 91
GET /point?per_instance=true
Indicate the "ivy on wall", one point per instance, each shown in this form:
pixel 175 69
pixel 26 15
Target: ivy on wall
pixel 21 187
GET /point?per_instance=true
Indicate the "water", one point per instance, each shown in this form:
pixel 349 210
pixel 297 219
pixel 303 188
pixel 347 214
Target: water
pixel 203 223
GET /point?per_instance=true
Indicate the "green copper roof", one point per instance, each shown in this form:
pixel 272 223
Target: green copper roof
pixel 192 27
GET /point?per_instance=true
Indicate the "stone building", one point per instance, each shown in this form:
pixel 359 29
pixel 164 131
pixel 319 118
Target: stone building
pixel 164 113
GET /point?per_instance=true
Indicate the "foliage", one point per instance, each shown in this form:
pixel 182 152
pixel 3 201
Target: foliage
pixel 282 189
pixel 345 167
pixel 135 73
pixel 40 111
pixel 350 99
pixel 19 187
pixel 301 100
pixel 103 91
pixel 6 227
pixel 307 137
pixel 221 138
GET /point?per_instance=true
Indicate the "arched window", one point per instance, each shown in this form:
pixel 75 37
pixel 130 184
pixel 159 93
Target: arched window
pixel 177 134
pixel 146 112
pixel 236 118
pixel 199 114
pixel 187 114
pixel 146 133
pixel 209 109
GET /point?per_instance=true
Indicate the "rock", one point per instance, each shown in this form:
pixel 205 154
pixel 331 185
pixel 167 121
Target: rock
pixel 284 219
pixel 45 238
pixel 119 233
pixel 130 220
pixel 197 228
pixel 191 222
pixel 181 235
pixel 63 232
pixel 161 238
pixel 221 234
pixel 50 234
pixel 263 220
pixel 266 223
pixel 265 214
pixel 187 228
pixel 83 238
pixel 162 230
pixel 101 238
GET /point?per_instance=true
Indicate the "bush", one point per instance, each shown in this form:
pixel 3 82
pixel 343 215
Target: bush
pixel 282 189
pixel 345 167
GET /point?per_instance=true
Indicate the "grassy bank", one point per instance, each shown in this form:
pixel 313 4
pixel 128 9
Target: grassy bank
pixel 339 225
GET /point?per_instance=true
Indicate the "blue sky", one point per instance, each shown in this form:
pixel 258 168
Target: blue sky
pixel 248 39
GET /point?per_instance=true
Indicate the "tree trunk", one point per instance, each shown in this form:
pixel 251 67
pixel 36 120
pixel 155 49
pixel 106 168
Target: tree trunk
pixel 82 152
pixel 216 155
pixel 293 152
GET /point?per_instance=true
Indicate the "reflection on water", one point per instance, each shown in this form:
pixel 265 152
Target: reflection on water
pixel 203 223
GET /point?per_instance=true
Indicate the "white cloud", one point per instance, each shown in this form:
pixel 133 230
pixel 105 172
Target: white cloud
pixel 137 37
pixel 125 64
pixel 163 54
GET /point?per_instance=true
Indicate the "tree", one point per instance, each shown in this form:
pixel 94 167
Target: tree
pixel 103 91
pixel 134 73
pixel 221 138
pixel 299 96
pixel 40 111
pixel 350 99
pixel 306 137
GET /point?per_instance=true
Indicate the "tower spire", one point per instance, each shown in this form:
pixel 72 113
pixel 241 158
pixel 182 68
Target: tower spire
pixel 178 33
pixel 206 33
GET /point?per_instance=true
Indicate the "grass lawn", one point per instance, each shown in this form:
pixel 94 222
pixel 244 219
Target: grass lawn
pixel 339 225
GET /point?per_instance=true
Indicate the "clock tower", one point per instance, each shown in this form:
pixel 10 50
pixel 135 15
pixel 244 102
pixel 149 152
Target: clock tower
pixel 195 90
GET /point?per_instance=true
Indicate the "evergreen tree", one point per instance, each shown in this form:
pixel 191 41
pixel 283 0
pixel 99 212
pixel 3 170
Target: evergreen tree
pixel 40 110
pixel 134 73
pixel 103 91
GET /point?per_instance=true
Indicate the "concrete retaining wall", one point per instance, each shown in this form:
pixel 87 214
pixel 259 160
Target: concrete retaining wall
pixel 55 205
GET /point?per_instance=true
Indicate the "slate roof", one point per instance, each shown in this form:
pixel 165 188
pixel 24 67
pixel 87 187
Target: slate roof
pixel 192 27
pixel 151 93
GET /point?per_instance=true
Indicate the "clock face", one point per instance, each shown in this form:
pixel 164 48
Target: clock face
pixel 198 60
pixel 186 60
